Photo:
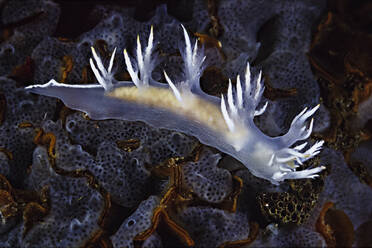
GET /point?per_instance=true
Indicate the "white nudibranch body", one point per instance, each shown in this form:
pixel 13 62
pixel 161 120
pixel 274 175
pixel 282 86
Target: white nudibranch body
pixel 225 123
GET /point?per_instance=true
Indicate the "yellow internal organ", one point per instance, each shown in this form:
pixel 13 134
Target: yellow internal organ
pixel 191 107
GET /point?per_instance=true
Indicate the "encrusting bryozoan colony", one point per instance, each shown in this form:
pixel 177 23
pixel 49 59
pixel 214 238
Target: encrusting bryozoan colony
pixel 225 123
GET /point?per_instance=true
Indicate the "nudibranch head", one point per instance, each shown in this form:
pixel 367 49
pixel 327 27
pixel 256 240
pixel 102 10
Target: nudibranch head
pixel 225 123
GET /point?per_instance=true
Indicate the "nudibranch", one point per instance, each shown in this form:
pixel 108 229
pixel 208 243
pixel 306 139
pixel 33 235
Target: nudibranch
pixel 225 123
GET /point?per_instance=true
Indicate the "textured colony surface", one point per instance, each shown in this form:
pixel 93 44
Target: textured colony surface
pixel 75 207
pixel 212 227
pixel 138 222
pixel 206 180
pixel 68 180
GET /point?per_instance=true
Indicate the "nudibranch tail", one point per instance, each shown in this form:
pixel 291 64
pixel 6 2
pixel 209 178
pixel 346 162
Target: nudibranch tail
pixel 225 123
